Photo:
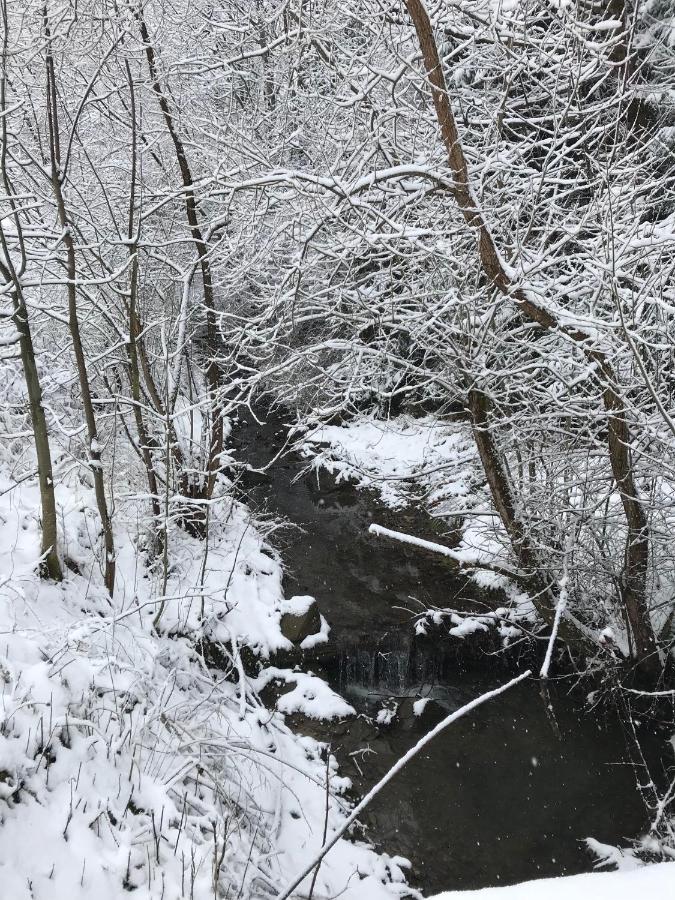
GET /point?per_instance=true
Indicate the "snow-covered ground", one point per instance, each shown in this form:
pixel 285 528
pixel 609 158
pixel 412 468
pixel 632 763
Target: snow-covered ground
pixel 125 763
pixel 656 882
pixel 400 458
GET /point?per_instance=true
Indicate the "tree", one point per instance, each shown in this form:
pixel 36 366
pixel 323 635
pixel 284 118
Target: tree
pixel 12 275
pixel 507 304
pixel 58 176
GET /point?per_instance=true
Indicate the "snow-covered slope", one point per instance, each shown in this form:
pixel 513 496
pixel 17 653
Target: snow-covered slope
pixel 398 456
pixel 125 763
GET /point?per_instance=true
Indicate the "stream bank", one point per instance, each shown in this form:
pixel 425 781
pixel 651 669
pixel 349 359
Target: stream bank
pixel 505 795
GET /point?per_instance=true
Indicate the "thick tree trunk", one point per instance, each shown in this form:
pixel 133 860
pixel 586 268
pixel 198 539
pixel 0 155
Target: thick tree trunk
pixel 619 439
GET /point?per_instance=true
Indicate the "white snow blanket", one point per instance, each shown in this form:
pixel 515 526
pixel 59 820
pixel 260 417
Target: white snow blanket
pixel 127 767
pixel 655 882
pixel 398 455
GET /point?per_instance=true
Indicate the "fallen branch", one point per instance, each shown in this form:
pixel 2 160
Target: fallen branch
pixel 560 608
pixel 374 791
pixel 562 621
pixel 458 559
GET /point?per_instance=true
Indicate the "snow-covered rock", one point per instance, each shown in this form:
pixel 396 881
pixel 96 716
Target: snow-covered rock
pixel 300 619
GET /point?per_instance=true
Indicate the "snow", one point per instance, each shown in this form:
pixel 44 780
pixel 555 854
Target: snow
pixel 418 706
pixel 321 636
pixel 464 626
pixel 298 605
pixel 389 455
pixel 310 695
pixel 656 882
pixel 387 714
pixel 126 765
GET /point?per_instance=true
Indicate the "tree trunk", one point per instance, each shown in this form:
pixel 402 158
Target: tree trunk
pixel 94 449
pixel 192 215
pixel 633 594
pixel 132 346
pixel 50 566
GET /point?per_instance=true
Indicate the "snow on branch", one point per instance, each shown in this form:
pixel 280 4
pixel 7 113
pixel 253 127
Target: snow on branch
pixel 394 770
pixel 460 559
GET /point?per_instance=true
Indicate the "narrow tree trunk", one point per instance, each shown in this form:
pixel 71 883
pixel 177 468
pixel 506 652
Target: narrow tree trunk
pixel 50 566
pixel 136 396
pixel 94 449
pixel 132 346
pixel 619 439
pixel 192 215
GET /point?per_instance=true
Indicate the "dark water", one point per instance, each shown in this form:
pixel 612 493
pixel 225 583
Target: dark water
pixel 503 795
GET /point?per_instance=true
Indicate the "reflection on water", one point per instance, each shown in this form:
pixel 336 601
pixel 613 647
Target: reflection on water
pixel 500 797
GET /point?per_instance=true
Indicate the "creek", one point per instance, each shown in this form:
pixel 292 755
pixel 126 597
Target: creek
pixel 506 794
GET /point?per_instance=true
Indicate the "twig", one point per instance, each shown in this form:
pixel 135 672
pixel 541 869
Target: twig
pixel 325 823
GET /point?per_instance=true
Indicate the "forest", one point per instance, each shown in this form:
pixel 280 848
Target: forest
pixel 337 470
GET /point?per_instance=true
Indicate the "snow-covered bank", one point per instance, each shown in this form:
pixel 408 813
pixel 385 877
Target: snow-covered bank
pixel 407 460
pixel 125 764
pixel 655 882
pixel 399 458
pixel 431 464
pixel 426 462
